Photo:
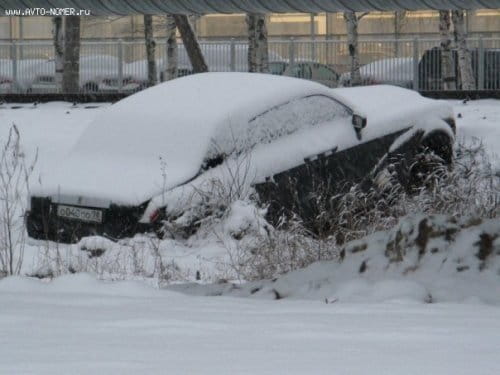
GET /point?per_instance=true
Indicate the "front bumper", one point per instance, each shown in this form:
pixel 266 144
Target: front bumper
pixel 43 223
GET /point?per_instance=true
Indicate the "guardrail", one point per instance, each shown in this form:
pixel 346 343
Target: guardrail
pixel 120 67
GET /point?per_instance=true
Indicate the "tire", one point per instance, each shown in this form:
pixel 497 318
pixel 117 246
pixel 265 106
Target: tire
pixel 413 163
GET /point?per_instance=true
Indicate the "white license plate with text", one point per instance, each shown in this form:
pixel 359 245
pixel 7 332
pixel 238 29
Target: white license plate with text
pixel 78 213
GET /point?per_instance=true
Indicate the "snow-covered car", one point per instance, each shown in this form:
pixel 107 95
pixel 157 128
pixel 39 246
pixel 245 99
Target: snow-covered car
pixel 394 71
pixel 311 70
pixel 7 80
pixel 98 73
pixel 149 157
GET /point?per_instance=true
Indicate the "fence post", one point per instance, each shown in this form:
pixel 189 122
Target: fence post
pixel 120 65
pixel 480 64
pixel 415 64
pixel 232 51
pixel 291 53
pixel 13 56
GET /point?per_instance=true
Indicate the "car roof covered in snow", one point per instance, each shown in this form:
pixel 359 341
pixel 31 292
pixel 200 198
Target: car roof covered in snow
pixel 158 138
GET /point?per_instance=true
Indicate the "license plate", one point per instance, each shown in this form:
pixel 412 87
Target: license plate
pixel 78 213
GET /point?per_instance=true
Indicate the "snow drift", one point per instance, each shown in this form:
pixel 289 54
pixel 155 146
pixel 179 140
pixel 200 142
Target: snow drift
pixel 423 259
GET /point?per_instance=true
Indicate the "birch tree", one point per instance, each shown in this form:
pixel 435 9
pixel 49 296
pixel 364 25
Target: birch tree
pixel 399 24
pixel 58 38
pixel 172 50
pixel 447 65
pixel 190 44
pixel 258 55
pixel 464 55
pixel 71 54
pixel 150 49
pixel 351 20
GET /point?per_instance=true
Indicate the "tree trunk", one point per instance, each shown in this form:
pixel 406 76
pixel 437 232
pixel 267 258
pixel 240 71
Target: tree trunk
pixel 258 60
pixel 193 21
pixel 253 65
pixel 262 46
pixel 171 71
pixel 58 38
pixel 71 55
pixel 447 65
pixel 464 55
pixel 399 22
pixel 150 49
pixel 191 44
pixel 352 40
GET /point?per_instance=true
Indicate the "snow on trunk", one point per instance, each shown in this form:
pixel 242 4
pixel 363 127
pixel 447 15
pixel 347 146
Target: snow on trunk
pixel 58 38
pixel 191 44
pixel 258 59
pixel 150 49
pixel 351 21
pixel 172 51
pixel 464 55
pixel 447 65
pixel 71 55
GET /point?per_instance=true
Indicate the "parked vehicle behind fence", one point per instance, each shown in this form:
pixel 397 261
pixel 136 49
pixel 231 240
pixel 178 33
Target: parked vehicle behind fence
pixel 311 70
pixel 7 83
pixel 394 71
pixel 98 74
pixel 430 75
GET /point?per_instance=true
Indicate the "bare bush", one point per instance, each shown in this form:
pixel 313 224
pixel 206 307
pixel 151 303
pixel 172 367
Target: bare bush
pixel 14 183
pixel 279 251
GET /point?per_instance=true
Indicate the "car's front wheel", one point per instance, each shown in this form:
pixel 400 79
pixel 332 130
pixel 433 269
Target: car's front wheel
pixel 422 158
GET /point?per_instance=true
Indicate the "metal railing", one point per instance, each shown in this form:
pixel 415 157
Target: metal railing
pixel 120 66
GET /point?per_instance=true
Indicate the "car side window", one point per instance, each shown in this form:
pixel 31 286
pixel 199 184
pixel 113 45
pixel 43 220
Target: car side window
pixel 276 122
pixel 289 117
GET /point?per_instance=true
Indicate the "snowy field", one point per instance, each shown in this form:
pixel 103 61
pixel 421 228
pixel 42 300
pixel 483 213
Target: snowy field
pixel 77 324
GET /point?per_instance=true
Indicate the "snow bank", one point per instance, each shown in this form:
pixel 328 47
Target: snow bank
pixel 422 259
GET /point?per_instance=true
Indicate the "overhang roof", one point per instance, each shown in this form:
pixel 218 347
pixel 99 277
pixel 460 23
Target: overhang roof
pixel 127 7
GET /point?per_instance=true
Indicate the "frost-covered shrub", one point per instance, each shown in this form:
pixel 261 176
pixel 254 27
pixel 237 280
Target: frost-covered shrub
pixel 14 177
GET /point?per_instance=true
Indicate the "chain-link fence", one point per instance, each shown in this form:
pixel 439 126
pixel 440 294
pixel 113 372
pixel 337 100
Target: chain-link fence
pixel 121 66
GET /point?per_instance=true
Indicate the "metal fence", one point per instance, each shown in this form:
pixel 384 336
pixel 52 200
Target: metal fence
pixel 109 67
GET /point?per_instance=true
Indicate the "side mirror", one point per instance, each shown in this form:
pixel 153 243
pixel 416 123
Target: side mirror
pixel 359 122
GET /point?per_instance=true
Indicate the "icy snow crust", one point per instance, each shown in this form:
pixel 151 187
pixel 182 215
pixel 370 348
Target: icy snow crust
pixel 158 139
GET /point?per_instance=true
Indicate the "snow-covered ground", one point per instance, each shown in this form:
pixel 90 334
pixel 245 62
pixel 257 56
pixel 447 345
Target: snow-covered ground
pixel 77 324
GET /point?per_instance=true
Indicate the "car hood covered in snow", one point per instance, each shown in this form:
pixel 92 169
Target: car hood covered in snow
pixel 158 138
